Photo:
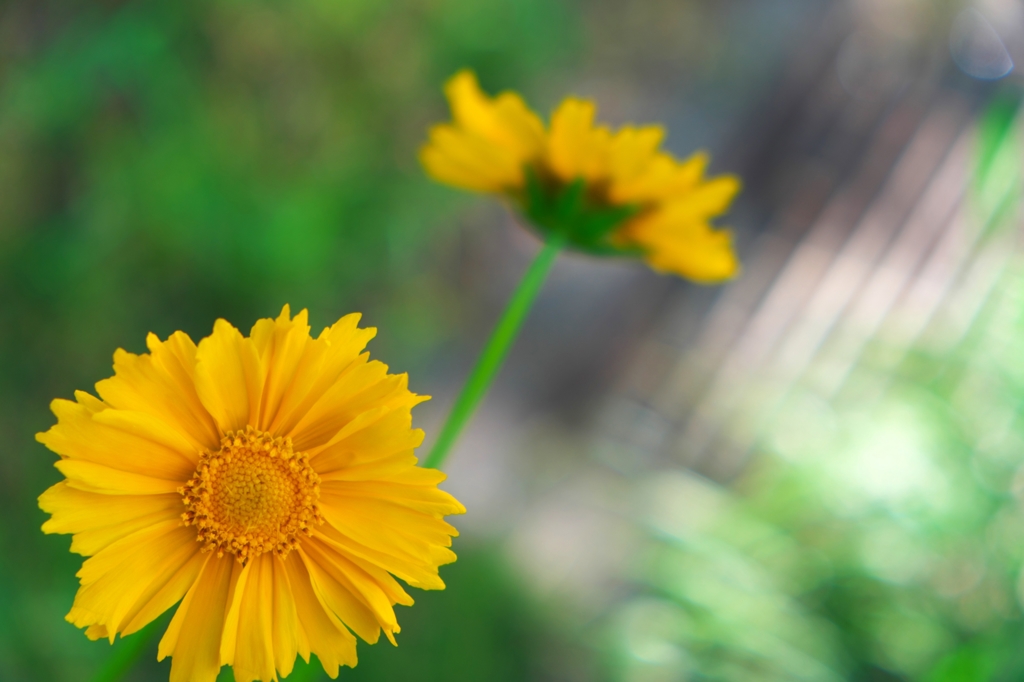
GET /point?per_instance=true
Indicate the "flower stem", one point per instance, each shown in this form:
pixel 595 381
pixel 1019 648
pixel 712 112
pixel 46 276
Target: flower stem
pixel 494 353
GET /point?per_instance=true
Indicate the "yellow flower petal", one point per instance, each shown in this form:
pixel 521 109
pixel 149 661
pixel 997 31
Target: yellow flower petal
pixel 631 152
pixel 707 200
pixel 97 478
pixel 426 499
pixel 173 590
pixel 492 143
pixel 417 571
pixel 465 159
pixel 489 141
pixel 162 385
pixel 506 121
pixel 95 632
pixel 447 169
pixel 236 592
pixel 100 520
pixel 120 439
pixel 194 636
pixel 146 490
pixel 369 437
pixel 410 536
pixel 399 468
pixel 383 579
pixel 364 391
pixel 325 359
pixel 281 346
pixel 333 584
pixel 286 631
pixel 257 630
pixel 575 147
pixel 662 179
pixel 690 249
pixel 122 579
pixel 229 377
pixel 332 643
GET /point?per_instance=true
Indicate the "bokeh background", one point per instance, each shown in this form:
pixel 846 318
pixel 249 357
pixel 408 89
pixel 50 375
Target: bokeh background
pixel 813 473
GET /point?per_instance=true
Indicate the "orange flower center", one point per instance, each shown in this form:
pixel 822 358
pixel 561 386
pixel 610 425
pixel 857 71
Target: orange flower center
pixel 254 495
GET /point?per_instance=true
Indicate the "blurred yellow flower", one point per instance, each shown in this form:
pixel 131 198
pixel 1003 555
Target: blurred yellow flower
pixel 267 483
pixel 602 191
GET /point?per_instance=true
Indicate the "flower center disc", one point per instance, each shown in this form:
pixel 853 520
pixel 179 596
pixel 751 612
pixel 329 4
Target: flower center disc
pixel 254 495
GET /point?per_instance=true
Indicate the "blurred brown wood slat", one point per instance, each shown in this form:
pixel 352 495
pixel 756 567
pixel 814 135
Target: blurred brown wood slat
pixel 868 239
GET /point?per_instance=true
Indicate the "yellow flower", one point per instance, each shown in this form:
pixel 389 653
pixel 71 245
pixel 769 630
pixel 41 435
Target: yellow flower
pixel 267 483
pixel 602 191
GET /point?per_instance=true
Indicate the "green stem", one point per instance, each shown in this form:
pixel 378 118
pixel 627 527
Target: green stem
pixel 494 352
pixel 128 651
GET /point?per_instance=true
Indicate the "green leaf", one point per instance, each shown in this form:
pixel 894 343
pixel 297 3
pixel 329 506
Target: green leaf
pixel 564 211
pixel 998 170
pixel 596 225
pixel 995 125
pixel 570 203
pixel 966 664
pixel 538 205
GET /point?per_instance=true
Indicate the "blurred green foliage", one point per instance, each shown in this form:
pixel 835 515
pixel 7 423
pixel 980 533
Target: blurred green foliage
pixel 478 628
pixel 998 171
pixel 167 163
pixel 878 537
pixel 877 534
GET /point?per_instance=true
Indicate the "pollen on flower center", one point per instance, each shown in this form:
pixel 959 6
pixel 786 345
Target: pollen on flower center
pixel 254 495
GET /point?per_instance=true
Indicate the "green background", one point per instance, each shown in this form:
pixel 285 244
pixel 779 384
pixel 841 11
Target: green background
pixel 165 163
